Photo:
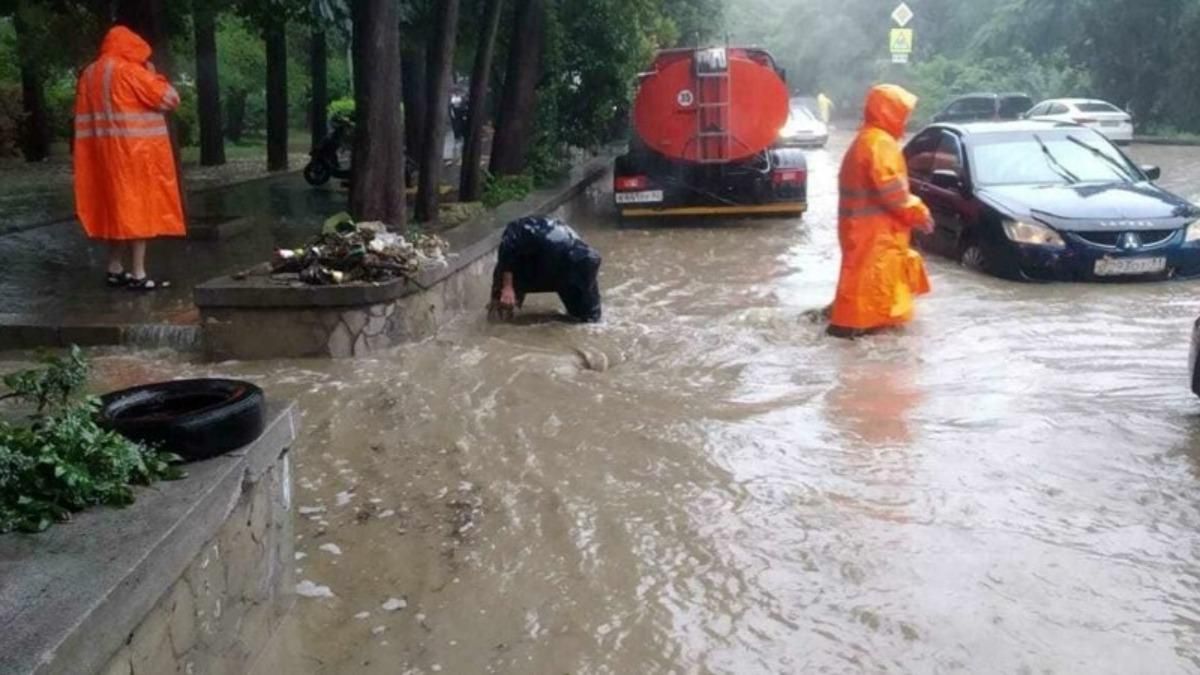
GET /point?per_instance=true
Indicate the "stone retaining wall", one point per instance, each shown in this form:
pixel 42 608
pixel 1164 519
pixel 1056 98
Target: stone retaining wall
pixel 193 578
pixel 343 331
pixel 220 613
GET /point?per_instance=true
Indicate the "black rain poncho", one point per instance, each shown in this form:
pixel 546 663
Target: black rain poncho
pixel 545 255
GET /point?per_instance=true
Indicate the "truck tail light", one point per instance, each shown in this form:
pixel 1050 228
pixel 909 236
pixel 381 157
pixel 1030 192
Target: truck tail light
pixel 788 176
pixel 628 183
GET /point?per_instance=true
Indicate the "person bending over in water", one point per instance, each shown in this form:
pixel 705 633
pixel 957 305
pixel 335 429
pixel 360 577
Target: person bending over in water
pixel 544 255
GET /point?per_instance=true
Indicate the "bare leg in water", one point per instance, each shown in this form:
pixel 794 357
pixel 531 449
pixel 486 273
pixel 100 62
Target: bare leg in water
pixel 138 248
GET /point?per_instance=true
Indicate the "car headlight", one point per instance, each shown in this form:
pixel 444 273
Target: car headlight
pixel 1193 233
pixel 1024 232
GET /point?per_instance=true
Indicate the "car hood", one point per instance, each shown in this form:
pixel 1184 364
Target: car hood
pixel 1092 206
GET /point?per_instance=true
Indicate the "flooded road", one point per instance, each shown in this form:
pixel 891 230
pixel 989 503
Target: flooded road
pixel 705 483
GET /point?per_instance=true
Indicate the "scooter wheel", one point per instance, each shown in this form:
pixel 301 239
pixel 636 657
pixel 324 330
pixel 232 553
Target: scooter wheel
pixel 317 173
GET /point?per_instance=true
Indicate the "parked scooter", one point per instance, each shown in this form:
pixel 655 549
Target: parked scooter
pixel 327 158
pixel 326 162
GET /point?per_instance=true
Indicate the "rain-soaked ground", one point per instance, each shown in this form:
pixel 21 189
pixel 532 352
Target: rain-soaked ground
pixel 1010 486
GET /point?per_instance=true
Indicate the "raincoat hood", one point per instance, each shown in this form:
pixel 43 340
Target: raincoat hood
pixel 122 43
pixel 889 107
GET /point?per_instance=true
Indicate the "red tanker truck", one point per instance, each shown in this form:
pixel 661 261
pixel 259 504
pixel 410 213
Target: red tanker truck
pixel 705 121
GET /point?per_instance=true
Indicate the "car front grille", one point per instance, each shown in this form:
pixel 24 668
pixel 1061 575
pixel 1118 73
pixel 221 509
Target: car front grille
pixel 1147 238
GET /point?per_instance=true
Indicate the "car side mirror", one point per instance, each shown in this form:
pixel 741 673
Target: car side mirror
pixel 947 180
pixel 1152 172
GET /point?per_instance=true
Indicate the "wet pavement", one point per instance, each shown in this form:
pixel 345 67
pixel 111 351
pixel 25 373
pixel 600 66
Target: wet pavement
pixel 54 273
pixel 705 483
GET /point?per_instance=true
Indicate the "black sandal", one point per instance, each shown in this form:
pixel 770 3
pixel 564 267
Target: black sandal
pixel 118 279
pixel 147 284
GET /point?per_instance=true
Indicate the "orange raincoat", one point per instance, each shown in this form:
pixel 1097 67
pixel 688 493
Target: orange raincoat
pixel 876 214
pixel 126 185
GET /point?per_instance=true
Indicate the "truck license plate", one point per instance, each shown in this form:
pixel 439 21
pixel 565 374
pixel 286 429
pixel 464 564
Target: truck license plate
pixel 1114 267
pixel 644 197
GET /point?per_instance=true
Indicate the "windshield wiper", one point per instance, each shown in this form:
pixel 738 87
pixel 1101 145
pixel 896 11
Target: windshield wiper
pixel 1052 161
pixel 1122 171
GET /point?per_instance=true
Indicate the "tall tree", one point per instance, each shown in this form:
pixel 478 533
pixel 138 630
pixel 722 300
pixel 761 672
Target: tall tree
pixel 415 93
pixel 148 18
pixel 35 136
pixel 515 123
pixel 271 17
pixel 471 183
pixel 377 191
pixel 441 68
pixel 275 36
pixel 208 84
pixel 319 71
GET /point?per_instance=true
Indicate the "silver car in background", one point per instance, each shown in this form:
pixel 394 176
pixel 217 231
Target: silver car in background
pixel 804 129
pixel 1104 117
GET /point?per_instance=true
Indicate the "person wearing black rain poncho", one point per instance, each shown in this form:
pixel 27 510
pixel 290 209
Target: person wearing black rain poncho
pixel 544 255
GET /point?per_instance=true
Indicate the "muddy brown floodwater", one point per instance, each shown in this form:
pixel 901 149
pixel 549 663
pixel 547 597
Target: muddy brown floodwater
pixel 1011 486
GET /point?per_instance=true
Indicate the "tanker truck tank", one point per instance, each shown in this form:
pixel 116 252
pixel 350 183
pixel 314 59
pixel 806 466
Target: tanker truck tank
pixel 704 122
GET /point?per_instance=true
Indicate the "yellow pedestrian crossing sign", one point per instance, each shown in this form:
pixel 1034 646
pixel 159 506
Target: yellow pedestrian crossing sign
pixel 901 41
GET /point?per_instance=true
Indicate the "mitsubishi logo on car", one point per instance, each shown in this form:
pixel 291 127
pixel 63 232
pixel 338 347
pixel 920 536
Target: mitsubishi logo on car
pixel 1129 241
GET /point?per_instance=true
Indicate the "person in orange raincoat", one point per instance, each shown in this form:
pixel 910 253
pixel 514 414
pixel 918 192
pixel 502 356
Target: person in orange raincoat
pixel 126 185
pixel 880 272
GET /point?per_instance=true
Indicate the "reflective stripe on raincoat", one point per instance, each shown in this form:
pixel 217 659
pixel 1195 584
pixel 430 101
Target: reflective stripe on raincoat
pixel 876 213
pixel 126 185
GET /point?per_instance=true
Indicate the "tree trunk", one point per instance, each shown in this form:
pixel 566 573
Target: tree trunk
pixel 208 86
pixel 277 97
pixel 515 123
pixel 235 115
pixel 471 183
pixel 377 189
pixel 415 93
pixel 148 19
pixel 319 69
pixel 35 137
pixel 441 67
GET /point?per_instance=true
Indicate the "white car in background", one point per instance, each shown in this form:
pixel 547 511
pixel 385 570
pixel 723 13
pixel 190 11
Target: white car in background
pixel 1106 118
pixel 803 129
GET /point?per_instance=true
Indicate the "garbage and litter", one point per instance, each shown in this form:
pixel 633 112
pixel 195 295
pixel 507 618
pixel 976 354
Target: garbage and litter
pixel 346 251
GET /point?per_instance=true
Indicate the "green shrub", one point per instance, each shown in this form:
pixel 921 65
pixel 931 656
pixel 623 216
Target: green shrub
pixel 187 117
pixel 341 109
pixel 500 189
pixel 61 462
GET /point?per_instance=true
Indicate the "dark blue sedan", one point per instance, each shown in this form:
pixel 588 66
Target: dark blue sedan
pixel 1045 201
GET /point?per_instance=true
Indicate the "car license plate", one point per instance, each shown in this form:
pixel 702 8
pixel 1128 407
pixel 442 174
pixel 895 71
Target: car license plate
pixel 644 197
pixel 1110 124
pixel 1114 267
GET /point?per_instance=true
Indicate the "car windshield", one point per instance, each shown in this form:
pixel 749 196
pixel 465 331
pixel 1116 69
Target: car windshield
pixel 802 114
pixel 1052 157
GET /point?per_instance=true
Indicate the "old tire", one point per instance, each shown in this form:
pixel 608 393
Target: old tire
pixel 195 419
pixel 318 172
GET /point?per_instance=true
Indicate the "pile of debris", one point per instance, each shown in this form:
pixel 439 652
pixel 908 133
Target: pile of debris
pixel 347 251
